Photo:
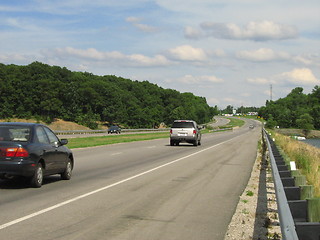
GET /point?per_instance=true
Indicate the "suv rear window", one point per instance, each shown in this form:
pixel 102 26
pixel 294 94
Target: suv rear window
pixel 182 125
pixel 14 133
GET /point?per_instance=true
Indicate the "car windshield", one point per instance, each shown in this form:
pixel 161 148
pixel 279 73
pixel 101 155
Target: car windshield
pixel 14 133
pixel 182 125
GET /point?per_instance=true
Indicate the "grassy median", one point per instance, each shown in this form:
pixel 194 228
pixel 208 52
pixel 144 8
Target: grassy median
pixel 121 138
pixel 112 139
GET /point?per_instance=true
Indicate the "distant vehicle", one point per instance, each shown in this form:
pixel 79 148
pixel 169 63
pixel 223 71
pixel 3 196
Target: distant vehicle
pixel 185 131
pixel 114 129
pixel 33 151
pixel 251 126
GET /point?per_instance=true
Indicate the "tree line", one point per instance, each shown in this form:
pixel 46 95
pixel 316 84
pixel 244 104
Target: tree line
pixel 296 110
pixel 47 92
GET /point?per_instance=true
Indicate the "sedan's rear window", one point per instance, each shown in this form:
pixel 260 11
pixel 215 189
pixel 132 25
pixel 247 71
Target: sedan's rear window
pixel 14 133
pixel 182 125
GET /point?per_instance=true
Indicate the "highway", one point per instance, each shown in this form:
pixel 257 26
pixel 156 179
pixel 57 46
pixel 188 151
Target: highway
pixel 142 190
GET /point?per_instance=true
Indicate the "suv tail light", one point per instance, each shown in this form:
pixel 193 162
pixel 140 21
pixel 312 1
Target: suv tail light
pixel 194 132
pixel 170 131
pixel 14 152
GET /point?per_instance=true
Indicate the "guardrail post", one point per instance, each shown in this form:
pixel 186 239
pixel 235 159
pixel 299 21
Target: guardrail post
pixel 314 210
pixel 306 191
pixel 296 206
pixel 286 220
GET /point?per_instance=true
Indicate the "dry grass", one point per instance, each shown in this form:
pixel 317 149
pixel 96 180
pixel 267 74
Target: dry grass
pixel 307 159
pixel 57 124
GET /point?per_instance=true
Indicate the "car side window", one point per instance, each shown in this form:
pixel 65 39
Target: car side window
pixel 52 137
pixel 41 135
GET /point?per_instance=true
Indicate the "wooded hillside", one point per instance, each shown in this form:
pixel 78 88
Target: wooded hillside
pixel 47 92
pixel 296 110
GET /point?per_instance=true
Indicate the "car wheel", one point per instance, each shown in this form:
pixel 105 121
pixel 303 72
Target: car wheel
pixel 171 143
pixel 199 143
pixel 66 175
pixel 195 143
pixel 37 178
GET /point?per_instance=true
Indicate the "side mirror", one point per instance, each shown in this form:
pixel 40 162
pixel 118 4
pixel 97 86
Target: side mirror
pixel 64 141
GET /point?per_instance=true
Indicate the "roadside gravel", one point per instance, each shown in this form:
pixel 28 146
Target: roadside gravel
pixel 256 215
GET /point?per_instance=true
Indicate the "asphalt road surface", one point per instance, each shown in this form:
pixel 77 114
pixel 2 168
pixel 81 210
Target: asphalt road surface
pixel 142 190
pixel 220 121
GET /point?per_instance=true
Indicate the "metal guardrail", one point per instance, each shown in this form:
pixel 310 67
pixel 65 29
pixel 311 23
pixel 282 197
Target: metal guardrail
pixel 287 225
pixel 71 132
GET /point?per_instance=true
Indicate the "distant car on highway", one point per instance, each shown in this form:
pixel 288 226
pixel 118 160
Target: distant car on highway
pixel 185 131
pixel 114 129
pixel 33 151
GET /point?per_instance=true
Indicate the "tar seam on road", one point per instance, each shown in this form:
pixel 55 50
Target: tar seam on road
pixel 105 188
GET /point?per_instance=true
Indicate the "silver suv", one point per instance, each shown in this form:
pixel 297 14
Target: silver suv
pixel 185 131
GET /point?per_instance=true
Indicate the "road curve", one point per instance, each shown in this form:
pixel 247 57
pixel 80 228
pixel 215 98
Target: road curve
pixel 141 190
pixel 220 121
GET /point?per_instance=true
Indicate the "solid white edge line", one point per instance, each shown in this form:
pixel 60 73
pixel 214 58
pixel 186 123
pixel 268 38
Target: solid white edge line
pixel 103 188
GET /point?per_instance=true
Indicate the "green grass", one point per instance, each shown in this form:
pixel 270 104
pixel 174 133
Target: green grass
pixel 112 139
pixel 234 122
pixel 249 193
pixel 306 157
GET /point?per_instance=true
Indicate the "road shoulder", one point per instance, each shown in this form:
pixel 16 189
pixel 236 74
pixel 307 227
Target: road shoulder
pixel 256 215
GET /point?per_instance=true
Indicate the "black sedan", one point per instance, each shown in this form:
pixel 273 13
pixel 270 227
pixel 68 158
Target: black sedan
pixel 33 151
pixel 114 129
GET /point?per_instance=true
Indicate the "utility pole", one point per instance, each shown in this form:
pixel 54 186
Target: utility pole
pixel 270 92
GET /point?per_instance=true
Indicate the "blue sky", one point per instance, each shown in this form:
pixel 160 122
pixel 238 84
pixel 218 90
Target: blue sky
pixel 229 51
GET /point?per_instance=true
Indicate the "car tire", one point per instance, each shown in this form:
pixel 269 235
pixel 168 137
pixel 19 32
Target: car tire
pixel 199 143
pixel 66 175
pixel 37 178
pixel 195 143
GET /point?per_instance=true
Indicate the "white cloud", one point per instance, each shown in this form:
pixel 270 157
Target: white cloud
pixel 187 53
pixel 219 53
pixel 113 58
pixel 262 54
pixel 140 26
pixel 189 79
pixel 212 79
pixel 133 19
pixel 258 81
pixel 245 94
pixel 230 100
pixel 213 101
pixel 307 59
pixel 303 76
pixel 8 58
pixel 192 33
pixel 257 31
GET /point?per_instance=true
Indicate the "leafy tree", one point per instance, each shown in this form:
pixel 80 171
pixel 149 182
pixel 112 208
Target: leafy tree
pixel 48 92
pixel 228 110
pixel 271 123
pixel 296 110
pixel 305 121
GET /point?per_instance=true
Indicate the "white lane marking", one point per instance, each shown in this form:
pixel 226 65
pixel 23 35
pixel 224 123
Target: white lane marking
pixel 117 153
pixel 104 188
